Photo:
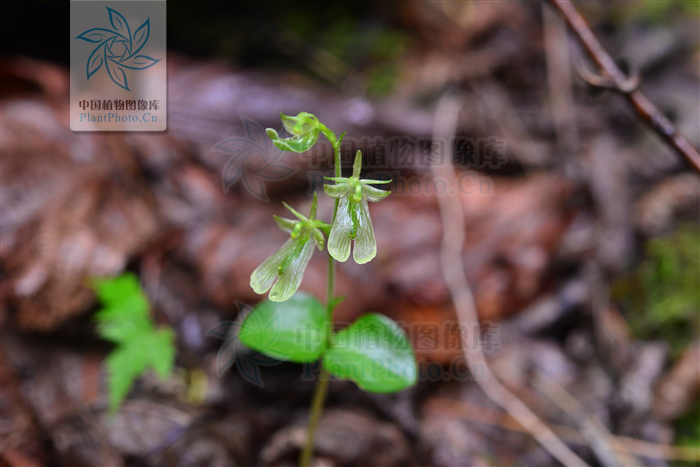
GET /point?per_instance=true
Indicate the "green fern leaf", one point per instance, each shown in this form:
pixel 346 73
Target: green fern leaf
pixel 125 321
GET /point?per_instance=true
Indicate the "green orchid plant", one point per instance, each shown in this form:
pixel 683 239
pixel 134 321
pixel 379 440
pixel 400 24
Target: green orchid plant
pixel 373 351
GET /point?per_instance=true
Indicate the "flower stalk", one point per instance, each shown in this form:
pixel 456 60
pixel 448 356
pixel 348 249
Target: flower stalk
pixel 321 389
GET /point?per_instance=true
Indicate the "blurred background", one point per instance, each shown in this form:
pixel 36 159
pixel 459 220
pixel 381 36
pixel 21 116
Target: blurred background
pixel 582 233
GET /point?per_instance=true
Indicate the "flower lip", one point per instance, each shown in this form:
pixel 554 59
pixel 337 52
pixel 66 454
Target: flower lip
pixel 282 272
pixel 352 223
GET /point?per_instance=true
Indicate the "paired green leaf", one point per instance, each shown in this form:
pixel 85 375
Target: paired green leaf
pixel 124 320
pixel 296 330
pixel 374 353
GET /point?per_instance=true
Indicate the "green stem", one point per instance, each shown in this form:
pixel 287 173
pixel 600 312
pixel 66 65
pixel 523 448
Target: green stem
pixel 315 415
pixel 321 389
pixel 336 155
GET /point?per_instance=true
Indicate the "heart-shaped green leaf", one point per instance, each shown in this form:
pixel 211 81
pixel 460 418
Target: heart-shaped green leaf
pixel 374 353
pixel 294 330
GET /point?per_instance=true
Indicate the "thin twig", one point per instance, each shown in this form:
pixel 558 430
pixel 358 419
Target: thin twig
pixel 609 451
pixel 452 214
pixel 620 82
pixel 561 98
pixel 477 413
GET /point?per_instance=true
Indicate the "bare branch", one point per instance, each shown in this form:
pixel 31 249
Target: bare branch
pixel 620 83
pixel 607 448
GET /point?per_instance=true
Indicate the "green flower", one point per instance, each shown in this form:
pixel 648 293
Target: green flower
pixel 304 128
pixel 282 272
pixel 352 221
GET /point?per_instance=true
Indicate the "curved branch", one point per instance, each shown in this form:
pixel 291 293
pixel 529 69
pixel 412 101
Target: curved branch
pixel 643 106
